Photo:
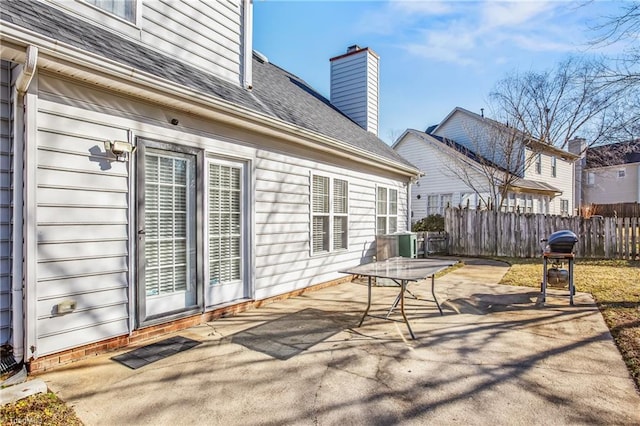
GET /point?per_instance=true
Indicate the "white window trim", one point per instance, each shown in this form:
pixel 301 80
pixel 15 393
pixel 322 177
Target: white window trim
pixel 103 17
pixel 538 164
pixel 331 215
pixel 591 178
pixel 554 166
pixel 388 214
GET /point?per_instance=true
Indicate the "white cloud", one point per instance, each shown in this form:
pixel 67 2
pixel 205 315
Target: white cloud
pixel 511 14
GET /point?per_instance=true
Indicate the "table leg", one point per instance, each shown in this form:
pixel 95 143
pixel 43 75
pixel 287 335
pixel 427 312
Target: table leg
pixel 544 280
pixel 433 293
pixel 368 301
pixel 403 287
pixel 572 289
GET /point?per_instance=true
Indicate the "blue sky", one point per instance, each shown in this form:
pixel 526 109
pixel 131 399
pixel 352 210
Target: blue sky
pixel 434 55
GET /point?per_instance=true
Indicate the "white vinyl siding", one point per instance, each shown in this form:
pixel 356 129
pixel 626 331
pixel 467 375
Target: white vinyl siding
pixel 82 229
pixel 225 216
pixel 6 197
pixel 207 34
pixel 330 214
pixel 354 88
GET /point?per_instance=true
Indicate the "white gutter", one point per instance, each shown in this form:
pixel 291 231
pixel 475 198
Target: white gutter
pixel 68 60
pixel 21 85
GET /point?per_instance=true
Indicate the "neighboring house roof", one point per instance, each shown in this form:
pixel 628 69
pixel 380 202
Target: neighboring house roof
pixel 534 144
pixel 454 148
pixel 613 154
pixel 276 93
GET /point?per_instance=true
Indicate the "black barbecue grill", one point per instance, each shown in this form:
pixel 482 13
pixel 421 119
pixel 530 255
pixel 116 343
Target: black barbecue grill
pixel 557 252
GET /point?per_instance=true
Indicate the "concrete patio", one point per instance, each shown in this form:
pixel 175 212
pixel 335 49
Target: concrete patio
pixel 495 357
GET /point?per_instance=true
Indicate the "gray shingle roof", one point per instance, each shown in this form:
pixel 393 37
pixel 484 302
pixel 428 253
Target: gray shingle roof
pixel 613 154
pixel 275 92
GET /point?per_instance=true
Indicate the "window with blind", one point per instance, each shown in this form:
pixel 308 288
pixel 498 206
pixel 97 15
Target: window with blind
pixel 225 215
pixel 330 211
pixel 168 228
pixel 386 210
pixel 125 9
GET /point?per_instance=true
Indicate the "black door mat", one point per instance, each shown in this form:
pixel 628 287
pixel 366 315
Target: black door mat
pixel 151 353
pixel 291 334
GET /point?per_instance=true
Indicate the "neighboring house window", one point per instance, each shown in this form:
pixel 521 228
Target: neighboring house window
pixel 445 201
pixel 554 166
pixel 564 207
pixel 539 163
pixel 621 173
pixel 386 210
pixel 330 199
pixel 432 204
pixel 125 9
pixel 529 204
pixel 591 178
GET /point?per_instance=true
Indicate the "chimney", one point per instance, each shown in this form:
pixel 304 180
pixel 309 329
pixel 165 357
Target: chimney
pixel 578 146
pixel 354 86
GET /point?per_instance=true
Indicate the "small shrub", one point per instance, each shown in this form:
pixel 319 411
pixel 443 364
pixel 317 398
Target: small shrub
pixel 431 223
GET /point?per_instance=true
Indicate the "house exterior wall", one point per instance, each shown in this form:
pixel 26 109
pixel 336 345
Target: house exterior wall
pixel 207 34
pixel 468 131
pixel 440 176
pixel 563 180
pixel 354 87
pixel 610 188
pixel 85 216
pixel 6 201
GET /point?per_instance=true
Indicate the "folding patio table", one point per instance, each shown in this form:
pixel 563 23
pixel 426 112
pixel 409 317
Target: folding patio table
pixel 401 270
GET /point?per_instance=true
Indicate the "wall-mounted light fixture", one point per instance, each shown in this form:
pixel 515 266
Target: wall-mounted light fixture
pixel 120 149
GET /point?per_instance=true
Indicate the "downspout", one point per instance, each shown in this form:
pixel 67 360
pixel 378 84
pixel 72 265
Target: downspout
pixel 22 83
pixel 247 71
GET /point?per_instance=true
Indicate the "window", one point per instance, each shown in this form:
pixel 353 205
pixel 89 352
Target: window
pixel 225 214
pixel 386 211
pixel 591 178
pixel 564 207
pixel 445 201
pixel 432 204
pixel 539 163
pixel 529 204
pixel 553 166
pixel 621 173
pixel 330 206
pixel 125 9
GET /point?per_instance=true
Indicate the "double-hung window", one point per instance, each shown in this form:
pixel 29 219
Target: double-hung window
pixel 330 211
pixel 125 9
pixel 386 210
pixel 554 165
pixel 538 163
pixel 432 204
pixel 564 207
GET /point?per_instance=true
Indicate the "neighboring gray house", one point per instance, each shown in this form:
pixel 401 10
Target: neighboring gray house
pixel 611 173
pixel 457 156
pixel 154 173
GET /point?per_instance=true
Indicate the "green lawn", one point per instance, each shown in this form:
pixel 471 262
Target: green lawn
pixel 614 284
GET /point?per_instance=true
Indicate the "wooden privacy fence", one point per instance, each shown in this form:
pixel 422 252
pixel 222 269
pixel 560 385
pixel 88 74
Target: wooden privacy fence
pixel 492 233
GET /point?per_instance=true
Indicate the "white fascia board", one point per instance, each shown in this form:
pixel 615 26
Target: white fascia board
pixel 79 64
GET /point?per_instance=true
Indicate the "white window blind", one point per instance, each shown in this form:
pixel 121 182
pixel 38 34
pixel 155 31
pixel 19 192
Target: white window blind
pixel 330 209
pixel 225 215
pixel 166 224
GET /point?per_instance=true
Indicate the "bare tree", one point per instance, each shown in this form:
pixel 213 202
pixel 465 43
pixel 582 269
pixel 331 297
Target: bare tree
pixel 492 160
pixel 576 98
pixel 623 70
